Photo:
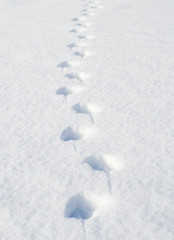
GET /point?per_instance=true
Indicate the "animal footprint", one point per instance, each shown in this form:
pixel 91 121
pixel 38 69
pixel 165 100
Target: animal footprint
pixel 79 207
pixel 86 37
pixel 84 10
pixel 79 76
pixel 70 133
pixel 64 91
pixel 83 54
pixel 82 37
pixel 72 45
pixel 68 91
pixel 74 134
pixel 104 163
pixel 66 64
pixel 74 19
pixel 73 30
pixel 86 109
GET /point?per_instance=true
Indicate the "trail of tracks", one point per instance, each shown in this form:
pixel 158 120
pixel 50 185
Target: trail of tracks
pixel 79 206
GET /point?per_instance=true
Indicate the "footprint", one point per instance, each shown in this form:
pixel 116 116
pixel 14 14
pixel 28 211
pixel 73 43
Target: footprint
pixel 70 133
pixel 82 37
pixel 85 14
pixel 64 91
pixel 73 30
pixel 79 24
pixel 86 109
pixel 79 76
pixel 84 10
pixel 68 91
pixel 104 162
pixel 83 54
pixel 79 207
pixel 74 19
pixel 86 37
pixel 73 76
pixel 66 64
pixel 72 45
pixel 93 7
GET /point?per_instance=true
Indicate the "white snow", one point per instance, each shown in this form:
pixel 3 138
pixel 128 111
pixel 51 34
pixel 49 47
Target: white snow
pixel 86 120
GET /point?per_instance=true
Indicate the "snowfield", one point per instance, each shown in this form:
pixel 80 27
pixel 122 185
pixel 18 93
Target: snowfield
pixel 87 120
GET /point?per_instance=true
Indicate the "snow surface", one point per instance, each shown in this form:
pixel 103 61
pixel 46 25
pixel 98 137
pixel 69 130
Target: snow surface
pixel 87 116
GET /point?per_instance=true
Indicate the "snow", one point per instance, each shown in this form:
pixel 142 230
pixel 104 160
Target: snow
pixel 86 119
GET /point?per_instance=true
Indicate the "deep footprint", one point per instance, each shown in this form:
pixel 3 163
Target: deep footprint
pixel 74 19
pixel 72 45
pixel 64 65
pixel 73 30
pixel 104 163
pixel 84 109
pixel 86 37
pixel 67 64
pixel 83 54
pixel 73 76
pixel 80 54
pixel 69 134
pixel 68 91
pixel 79 207
pixel 64 91
pixel 79 76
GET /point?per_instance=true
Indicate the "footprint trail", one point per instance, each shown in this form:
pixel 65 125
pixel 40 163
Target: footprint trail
pixel 78 207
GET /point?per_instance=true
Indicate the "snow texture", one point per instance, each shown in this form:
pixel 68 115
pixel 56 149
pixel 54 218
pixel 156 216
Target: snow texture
pixel 86 120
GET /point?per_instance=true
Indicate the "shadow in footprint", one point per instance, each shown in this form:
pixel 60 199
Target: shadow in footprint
pixel 63 65
pixel 74 76
pixel 81 54
pixel 79 24
pixel 97 163
pixel 73 31
pixel 74 19
pixel 82 108
pixel 85 14
pixel 64 91
pixel 69 134
pixel 67 64
pixel 72 45
pixel 84 10
pixel 79 207
pixel 82 37
pixel 104 163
